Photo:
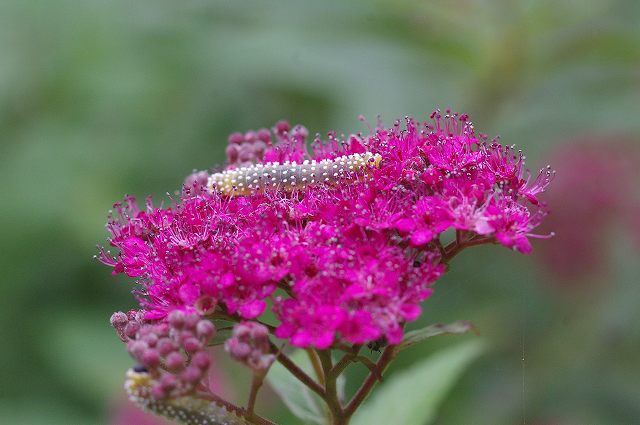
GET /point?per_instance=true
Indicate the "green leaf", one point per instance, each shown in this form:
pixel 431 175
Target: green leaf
pixel 419 335
pixel 302 402
pixel 412 397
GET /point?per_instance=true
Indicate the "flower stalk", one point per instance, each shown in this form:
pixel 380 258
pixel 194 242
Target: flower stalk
pixel 256 384
pixel 385 359
pixel 298 373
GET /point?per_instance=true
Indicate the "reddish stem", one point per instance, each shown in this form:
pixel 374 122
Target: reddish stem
pixel 297 372
pixel 256 383
pixel 454 248
pixel 255 419
pixel 387 355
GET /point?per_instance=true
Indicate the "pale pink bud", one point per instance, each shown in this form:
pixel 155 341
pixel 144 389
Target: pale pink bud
pixel 150 358
pixel 201 360
pixel 205 329
pixel 174 361
pixel 191 374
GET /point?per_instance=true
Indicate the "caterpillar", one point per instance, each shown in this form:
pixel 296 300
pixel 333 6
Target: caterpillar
pixel 290 176
pixel 186 410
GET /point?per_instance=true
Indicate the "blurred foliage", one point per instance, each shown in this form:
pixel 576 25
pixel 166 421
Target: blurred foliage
pixel 298 398
pixel 413 396
pixel 101 98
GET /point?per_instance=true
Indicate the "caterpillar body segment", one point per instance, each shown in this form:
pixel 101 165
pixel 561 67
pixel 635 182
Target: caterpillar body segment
pixel 186 410
pixel 290 176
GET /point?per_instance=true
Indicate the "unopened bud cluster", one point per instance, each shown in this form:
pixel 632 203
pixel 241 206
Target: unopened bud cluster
pixel 174 351
pixel 245 149
pixel 249 344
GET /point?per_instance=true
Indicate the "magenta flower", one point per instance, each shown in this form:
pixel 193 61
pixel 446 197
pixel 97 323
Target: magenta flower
pixel 343 239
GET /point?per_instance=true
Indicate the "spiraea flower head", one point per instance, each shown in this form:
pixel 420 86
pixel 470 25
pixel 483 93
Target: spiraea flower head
pixel 342 237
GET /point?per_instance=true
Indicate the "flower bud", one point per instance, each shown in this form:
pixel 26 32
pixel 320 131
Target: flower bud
pixel 249 344
pixel 236 138
pixel 137 348
pixel 192 345
pixel 131 329
pixel 169 382
pixel 282 127
pixel 202 360
pixel 264 136
pixel 191 374
pixel 119 321
pixel 151 339
pixel 166 346
pixel 158 392
pixel 151 358
pixel 191 320
pixel 205 329
pixel 174 361
pixel 176 319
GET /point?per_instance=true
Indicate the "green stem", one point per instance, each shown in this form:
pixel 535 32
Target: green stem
pixel 331 389
pixel 315 362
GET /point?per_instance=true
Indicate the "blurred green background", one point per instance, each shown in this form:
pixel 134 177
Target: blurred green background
pixel 102 98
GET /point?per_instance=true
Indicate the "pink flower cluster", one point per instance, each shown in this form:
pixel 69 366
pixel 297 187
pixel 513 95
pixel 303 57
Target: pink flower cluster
pixel 349 261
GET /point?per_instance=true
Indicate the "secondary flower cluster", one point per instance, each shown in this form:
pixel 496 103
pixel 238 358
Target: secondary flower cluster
pixel 173 352
pixel 249 344
pixel 346 255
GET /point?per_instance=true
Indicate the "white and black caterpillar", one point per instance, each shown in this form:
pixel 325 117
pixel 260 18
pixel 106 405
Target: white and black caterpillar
pixel 290 176
pixel 186 410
